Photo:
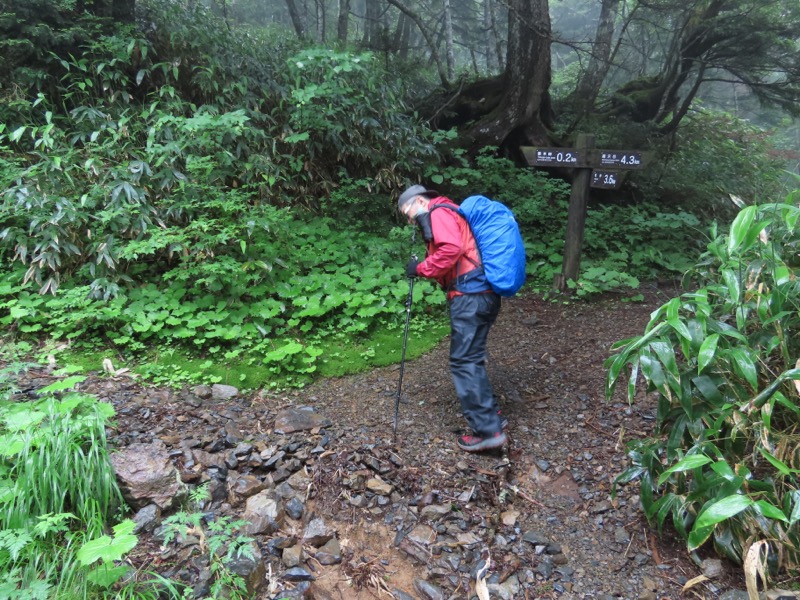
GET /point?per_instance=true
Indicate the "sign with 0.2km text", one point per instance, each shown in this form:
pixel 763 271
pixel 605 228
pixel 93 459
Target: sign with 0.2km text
pixel 553 157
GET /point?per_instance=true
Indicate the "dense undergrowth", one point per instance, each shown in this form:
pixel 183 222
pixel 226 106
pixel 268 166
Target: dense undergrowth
pixel 723 359
pixel 219 206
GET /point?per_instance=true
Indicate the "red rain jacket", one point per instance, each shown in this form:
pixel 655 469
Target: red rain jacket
pixel 453 245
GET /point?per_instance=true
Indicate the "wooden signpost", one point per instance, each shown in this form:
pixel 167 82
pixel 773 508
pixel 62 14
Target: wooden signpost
pixel 594 168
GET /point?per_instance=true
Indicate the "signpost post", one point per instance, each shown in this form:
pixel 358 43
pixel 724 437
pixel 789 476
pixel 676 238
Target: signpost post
pixel 604 169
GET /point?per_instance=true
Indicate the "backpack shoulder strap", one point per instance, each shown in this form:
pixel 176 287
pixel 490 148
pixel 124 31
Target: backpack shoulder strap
pixel 472 233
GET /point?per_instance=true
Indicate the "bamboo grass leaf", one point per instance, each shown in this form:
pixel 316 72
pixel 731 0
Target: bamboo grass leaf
pixel 740 229
pixel 707 353
pixel 687 463
pixel 716 513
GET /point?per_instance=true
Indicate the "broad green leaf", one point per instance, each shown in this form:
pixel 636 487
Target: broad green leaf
pixel 11 444
pixel 652 370
pixel 680 328
pixel 732 283
pixel 707 352
pixel 723 509
pixel 770 511
pixel 106 575
pixel 673 306
pixel 794 517
pixel 724 469
pixel 692 461
pixel 740 228
pixel 781 466
pixel 708 389
pixel 109 549
pixel 744 366
pixel 632 380
pixel 22 417
pixel 64 384
pixel 714 514
pixel 783 401
pixel 17 133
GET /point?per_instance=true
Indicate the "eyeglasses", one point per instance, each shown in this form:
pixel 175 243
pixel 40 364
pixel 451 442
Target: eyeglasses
pixel 409 206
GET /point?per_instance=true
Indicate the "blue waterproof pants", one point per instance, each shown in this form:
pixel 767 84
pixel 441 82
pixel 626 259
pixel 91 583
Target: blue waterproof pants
pixel 471 317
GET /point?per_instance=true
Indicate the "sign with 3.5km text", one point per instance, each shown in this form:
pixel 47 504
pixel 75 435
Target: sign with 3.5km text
pixel 609 180
pixel 589 167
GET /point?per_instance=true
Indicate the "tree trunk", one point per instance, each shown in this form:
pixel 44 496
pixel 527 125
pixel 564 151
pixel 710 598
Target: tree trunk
pixel 415 18
pixel 698 38
pixel 370 38
pixel 405 37
pixel 591 80
pixel 344 19
pixel 488 35
pixel 448 40
pixel 297 21
pixel 524 110
pixel 321 20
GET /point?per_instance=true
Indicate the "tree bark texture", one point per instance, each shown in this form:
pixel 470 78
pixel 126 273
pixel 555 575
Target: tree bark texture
pixel 371 25
pixel 524 109
pixel 591 79
pixel 489 47
pixel 321 20
pixel 448 40
pixel 425 32
pixel 297 20
pixel 344 20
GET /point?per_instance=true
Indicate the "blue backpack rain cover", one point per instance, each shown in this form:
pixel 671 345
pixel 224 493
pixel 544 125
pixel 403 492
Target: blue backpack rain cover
pixel 499 242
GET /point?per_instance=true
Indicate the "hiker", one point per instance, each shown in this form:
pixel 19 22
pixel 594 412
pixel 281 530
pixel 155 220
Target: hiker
pixel 453 261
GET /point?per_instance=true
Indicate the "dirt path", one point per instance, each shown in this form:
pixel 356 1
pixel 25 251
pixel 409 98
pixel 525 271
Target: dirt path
pixel 551 489
pixel 421 519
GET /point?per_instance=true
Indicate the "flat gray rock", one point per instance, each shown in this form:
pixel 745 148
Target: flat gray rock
pixel 299 419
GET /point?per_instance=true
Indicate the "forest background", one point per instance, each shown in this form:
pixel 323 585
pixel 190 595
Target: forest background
pixel 205 192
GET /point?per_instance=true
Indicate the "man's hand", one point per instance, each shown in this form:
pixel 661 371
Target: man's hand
pixel 411 267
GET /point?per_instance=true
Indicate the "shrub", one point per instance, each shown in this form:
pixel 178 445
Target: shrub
pixel 58 492
pixel 723 463
pixel 715 155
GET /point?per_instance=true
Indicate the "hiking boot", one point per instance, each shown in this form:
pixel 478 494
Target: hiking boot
pixel 503 420
pixel 473 443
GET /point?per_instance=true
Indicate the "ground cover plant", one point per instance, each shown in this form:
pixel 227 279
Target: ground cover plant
pixel 54 541
pixel 723 464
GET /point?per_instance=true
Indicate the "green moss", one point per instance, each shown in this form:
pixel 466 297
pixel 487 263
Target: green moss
pixel 339 357
pixel 382 348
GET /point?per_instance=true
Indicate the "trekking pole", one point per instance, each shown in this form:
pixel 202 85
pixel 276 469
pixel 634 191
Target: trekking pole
pixel 403 353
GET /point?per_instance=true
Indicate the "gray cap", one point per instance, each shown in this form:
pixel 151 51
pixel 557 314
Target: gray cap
pixel 413 192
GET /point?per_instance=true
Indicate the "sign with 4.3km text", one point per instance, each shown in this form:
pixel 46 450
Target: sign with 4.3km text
pixel 620 159
pixel 592 168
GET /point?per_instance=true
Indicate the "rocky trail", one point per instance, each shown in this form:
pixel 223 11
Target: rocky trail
pixel 338 509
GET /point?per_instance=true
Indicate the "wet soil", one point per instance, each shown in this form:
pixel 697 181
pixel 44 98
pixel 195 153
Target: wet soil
pixel 540 513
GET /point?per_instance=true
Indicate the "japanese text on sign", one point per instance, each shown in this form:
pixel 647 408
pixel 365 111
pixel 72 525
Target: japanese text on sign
pixel 610 158
pixel 556 156
pixel 605 179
